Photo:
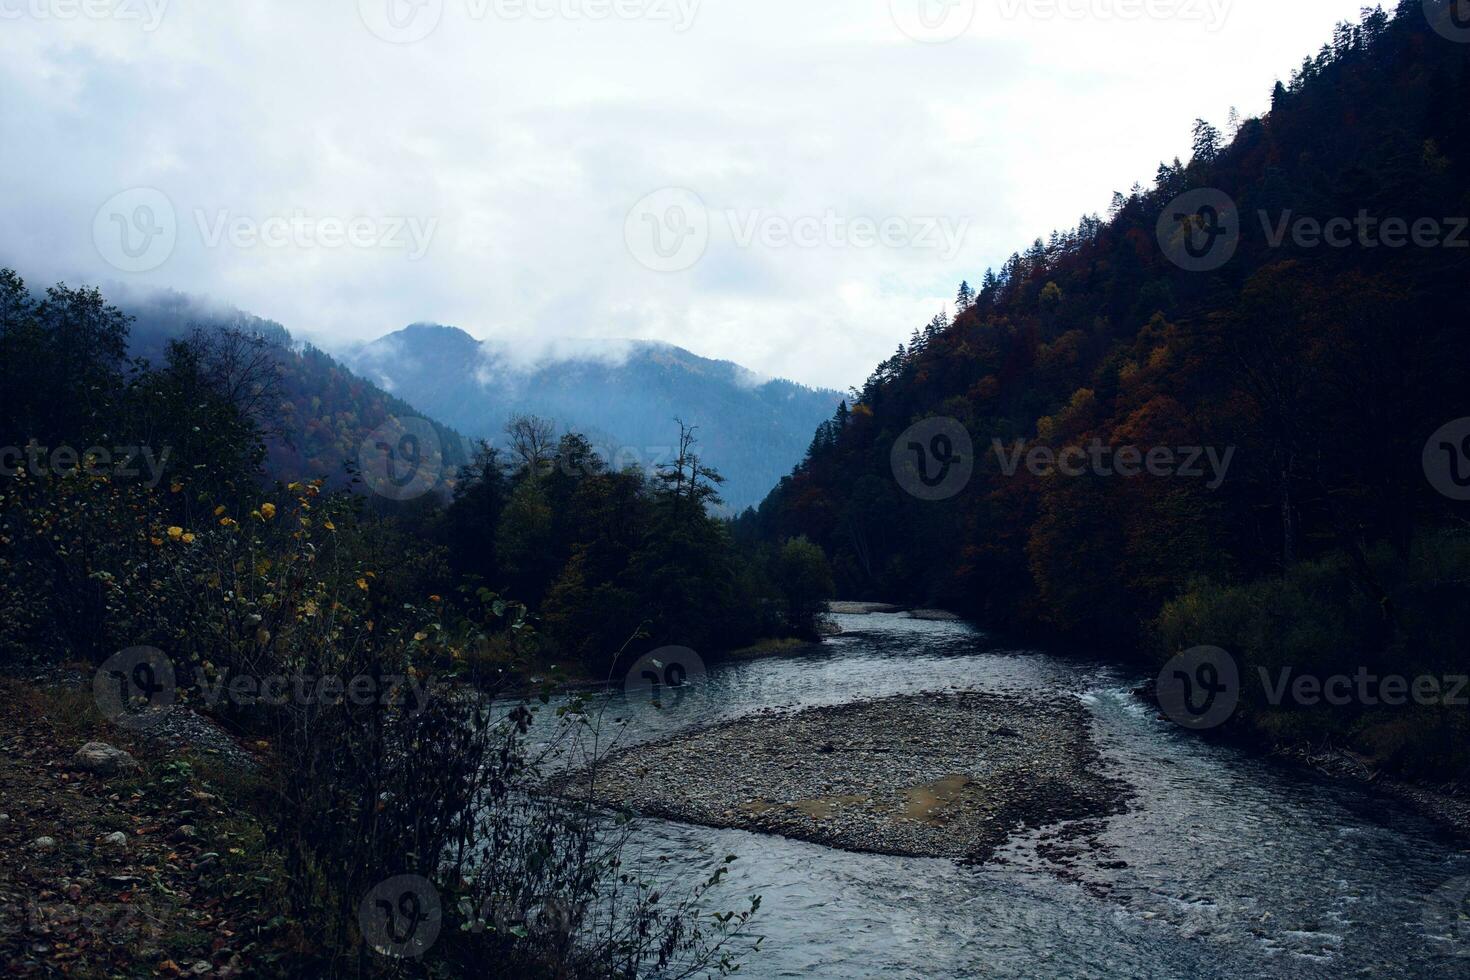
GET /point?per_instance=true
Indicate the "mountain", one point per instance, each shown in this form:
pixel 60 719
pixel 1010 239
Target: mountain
pixel 624 395
pixel 1293 300
pixel 325 412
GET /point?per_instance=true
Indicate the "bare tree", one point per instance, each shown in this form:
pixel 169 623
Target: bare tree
pixel 533 440
pixel 687 478
pixel 245 369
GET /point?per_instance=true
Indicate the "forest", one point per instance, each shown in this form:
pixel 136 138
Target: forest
pixel 1321 371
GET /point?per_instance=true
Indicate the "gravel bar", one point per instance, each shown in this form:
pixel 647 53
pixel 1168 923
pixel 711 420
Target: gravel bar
pixel 935 775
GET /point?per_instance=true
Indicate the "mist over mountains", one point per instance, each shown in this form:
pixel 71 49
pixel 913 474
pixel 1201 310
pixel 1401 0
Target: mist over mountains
pixel 624 395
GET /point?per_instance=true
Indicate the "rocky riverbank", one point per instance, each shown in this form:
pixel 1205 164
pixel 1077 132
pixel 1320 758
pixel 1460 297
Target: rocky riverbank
pixel 933 775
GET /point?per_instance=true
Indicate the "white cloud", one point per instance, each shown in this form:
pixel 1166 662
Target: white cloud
pixel 528 140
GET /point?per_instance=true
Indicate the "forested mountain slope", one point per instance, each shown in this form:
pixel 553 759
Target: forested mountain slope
pixel 321 412
pixel 1314 372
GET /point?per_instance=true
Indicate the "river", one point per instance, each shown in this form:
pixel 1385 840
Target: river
pixel 1226 865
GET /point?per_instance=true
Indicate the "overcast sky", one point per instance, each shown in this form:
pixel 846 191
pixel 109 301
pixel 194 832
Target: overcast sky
pixel 790 184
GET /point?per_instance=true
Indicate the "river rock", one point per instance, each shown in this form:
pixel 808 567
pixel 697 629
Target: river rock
pixel 103 759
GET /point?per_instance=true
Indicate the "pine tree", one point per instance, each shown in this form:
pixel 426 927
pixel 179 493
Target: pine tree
pixel 965 299
pixel 1206 142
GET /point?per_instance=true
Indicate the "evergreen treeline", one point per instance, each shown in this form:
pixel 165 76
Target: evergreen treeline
pixel 621 559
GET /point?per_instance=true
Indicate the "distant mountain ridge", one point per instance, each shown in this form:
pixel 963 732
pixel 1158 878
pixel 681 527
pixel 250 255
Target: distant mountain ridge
pixel 623 394
pixel 326 410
